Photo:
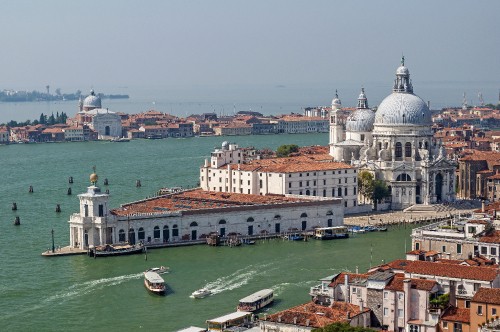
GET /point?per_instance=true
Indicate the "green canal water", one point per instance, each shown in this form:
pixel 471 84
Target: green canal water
pixel 76 293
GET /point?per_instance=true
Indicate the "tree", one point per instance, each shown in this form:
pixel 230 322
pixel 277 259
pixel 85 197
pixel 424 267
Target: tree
pixel 380 191
pixel 365 184
pixel 43 119
pixel 52 120
pixel 286 149
pixel 342 327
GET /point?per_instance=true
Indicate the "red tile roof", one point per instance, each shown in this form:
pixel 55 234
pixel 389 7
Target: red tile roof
pixel 453 314
pixel 492 237
pixel 487 295
pixel 316 315
pixel 200 200
pixel 353 277
pixel 451 271
pixel 397 283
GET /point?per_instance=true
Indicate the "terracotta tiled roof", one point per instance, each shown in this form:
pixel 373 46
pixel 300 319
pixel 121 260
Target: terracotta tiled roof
pixel 316 315
pixel 451 271
pixel 397 283
pixel 198 200
pixel 303 163
pixel 495 206
pixel 492 237
pixel 487 295
pixel 353 278
pixel 453 314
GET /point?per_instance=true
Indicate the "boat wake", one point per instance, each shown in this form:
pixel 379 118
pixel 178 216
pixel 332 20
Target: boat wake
pixel 90 286
pixel 238 278
pixel 279 288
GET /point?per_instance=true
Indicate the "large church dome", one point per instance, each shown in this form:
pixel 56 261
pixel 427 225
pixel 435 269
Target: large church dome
pixel 402 107
pixel 92 101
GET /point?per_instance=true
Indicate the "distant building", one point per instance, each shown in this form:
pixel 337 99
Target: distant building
pixel 4 135
pixel 105 123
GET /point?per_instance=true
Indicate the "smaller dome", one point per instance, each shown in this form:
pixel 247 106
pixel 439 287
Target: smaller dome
pixel 361 120
pixel 402 70
pixel 336 103
pixel 92 101
pixel 225 145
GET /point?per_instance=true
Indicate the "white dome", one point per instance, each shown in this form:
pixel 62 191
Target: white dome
pixel 403 109
pixel 360 120
pixel 92 101
pixel 336 103
pixel 402 70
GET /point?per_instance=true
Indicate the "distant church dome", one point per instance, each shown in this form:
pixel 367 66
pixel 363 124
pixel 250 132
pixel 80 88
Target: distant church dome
pixel 336 103
pixel 362 118
pixel 402 106
pixel 92 101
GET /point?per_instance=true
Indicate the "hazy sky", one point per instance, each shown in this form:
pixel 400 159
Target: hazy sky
pixel 185 43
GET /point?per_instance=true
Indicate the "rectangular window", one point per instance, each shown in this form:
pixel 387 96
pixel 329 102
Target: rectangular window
pixel 324 182
pixel 445 325
pixel 86 210
pixel 101 210
pixel 493 311
pixel 484 250
pixel 443 249
pixel 459 248
pixel 493 251
pixel 479 309
pixel 400 312
pixel 467 304
pixel 345 191
pixel 314 182
pixel 386 312
pixel 340 181
pixel 260 184
pixel 289 185
pixel 307 183
pixel 386 294
pixel 457 327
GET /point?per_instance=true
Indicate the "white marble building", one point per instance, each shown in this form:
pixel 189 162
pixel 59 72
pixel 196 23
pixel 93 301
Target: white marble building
pixel 309 175
pixel 107 124
pixel 396 144
pixel 192 215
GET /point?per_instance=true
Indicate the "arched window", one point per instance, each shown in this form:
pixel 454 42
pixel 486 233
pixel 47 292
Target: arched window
pixel 277 217
pixel 121 235
pixel 250 219
pixel 403 177
pixel 141 234
pixel 303 215
pixel 339 192
pixel 222 222
pixel 398 150
pixel 329 213
pixel 175 230
pixel 193 224
pixel 308 192
pixel 131 236
pixel 408 149
pixel 333 192
pixel 314 192
pixel 324 192
pixel 156 232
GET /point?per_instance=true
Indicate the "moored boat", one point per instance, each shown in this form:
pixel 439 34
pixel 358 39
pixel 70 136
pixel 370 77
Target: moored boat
pixel 330 233
pixel 115 250
pixel 154 283
pixel 256 301
pixel 201 293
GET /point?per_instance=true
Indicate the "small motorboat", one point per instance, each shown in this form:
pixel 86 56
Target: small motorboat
pixel 201 293
pixel 160 270
pixel 154 283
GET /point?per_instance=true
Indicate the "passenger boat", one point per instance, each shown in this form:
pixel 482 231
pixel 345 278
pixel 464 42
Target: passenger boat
pixel 330 233
pixel 201 293
pixel 154 283
pixel 256 301
pixel 160 270
pixel 115 250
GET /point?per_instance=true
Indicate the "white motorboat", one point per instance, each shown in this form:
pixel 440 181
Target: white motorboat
pixel 160 270
pixel 201 293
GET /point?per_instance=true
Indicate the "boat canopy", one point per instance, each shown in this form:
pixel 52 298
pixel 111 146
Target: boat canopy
pixel 257 296
pixel 153 277
pixel 229 317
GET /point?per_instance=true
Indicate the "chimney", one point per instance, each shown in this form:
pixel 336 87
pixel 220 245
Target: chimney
pixel 294 320
pixel 346 284
pixel 482 206
pixel 407 290
pixel 453 293
pixel 279 319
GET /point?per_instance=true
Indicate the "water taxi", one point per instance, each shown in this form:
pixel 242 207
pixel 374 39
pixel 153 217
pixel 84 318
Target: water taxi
pixel 256 301
pixel 201 293
pixel 330 233
pixel 154 283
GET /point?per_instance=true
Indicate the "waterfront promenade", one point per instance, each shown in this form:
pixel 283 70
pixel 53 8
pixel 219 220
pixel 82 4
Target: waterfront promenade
pixel 417 216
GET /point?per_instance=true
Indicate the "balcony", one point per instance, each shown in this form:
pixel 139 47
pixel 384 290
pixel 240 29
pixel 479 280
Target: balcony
pixel 318 291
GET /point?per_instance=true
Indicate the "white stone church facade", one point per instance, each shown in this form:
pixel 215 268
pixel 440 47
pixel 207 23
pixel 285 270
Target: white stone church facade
pixel 395 143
